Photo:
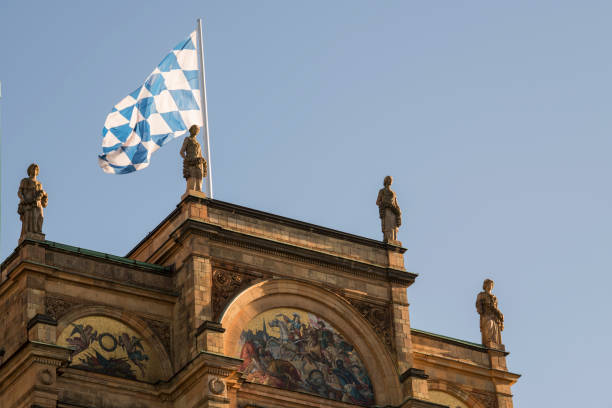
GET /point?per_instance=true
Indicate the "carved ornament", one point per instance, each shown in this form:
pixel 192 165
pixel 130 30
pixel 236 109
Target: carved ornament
pixel 226 285
pixel 57 307
pixel 489 399
pixel 380 318
pixel 216 386
pixel 161 330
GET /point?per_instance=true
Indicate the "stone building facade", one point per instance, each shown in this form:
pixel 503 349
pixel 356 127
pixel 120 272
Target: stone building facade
pixel 225 306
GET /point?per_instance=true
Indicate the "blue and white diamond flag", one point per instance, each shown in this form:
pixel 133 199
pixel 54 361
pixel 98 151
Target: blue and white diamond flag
pixel 162 109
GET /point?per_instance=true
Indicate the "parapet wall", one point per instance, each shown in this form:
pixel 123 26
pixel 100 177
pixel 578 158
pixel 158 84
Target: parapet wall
pixel 231 217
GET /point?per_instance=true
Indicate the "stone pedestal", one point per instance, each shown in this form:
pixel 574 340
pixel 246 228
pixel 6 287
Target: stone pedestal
pixel 497 356
pixel 34 236
pixel 395 254
pixel 194 193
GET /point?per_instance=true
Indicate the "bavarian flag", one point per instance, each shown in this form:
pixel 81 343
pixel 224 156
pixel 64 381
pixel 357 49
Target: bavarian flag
pixel 161 109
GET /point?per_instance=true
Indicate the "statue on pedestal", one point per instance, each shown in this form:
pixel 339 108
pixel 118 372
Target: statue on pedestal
pixel 194 165
pixel 491 319
pixel 32 201
pixel 389 211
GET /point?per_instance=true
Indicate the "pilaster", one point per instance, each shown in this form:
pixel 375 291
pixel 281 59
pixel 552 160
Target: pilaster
pixel 497 358
pixel 401 326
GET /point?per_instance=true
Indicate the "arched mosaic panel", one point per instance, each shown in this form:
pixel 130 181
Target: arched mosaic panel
pixel 108 346
pixel 297 350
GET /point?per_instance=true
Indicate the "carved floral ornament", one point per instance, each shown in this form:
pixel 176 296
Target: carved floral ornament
pixel 226 285
pixel 379 317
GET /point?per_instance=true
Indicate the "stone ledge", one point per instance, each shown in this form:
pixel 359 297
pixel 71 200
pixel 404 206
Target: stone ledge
pixel 249 212
pixel 210 325
pixel 413 372
pixel 41 318
pixel 240 239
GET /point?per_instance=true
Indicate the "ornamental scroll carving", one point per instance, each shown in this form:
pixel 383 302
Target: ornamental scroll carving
pixel 57 307
pixel 226 285
pixel 489 399
pixel 161 330
pixel 379 317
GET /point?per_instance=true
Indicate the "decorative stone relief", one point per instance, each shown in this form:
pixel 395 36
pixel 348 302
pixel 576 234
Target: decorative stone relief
pixel 57 307
pixel 379 317
pixel 45 377
pixel 489 399
pixel 161 330
pixel 216 386
pixel 226 285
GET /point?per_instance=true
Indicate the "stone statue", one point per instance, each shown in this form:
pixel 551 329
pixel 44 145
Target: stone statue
pixel 491 319
pixel 194 165
pixel 32 201
pixel 390 213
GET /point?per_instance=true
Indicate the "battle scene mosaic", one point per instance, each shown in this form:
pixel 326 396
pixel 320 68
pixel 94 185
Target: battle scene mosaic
pixel 297 350
pixel 107 346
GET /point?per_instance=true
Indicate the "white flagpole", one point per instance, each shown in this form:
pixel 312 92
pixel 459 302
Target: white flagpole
pixel 204 109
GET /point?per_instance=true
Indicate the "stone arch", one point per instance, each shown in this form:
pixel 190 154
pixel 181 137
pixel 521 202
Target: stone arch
pixel 135 323
pixel 275 293
pixel 465 397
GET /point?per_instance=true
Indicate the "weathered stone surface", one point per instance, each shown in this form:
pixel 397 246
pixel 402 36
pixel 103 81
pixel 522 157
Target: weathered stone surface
pixel 491 319
pixel 194 165
pixel 32 201
pixel 191 286
pixel 389 211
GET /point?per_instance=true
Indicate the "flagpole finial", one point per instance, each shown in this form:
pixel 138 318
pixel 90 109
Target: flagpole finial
pixel 194 165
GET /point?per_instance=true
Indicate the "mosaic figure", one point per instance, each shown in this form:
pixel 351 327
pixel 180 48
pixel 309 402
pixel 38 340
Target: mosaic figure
pixel 297 350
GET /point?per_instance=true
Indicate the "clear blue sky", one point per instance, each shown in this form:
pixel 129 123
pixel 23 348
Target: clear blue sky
pixel 493 117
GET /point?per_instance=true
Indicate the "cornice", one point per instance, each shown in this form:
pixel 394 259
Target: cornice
pixel 465 367
pixel 291 252
pixel 262 215
pixel 29 353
